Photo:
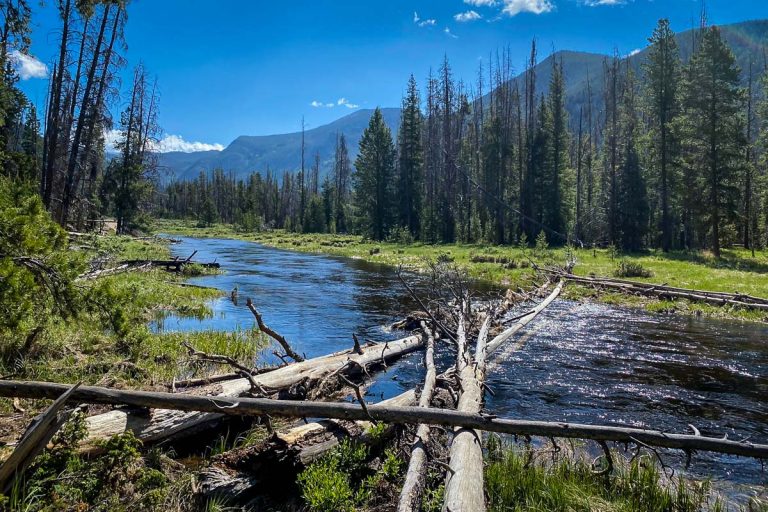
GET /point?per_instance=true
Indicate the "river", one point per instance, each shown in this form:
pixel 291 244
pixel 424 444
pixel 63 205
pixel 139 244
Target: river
pixel 586 363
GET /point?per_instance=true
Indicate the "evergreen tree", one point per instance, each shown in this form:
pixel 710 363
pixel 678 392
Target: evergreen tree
pixel 633 204
pixel 410 162
pixel 555 206
pixel 714 130
pixel 373 179
pixel 662 71
pixel 341 185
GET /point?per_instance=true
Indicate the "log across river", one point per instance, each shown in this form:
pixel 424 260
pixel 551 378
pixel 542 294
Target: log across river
pixel 583 363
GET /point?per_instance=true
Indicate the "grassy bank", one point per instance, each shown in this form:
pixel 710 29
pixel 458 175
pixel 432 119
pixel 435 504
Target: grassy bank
pixel 736 270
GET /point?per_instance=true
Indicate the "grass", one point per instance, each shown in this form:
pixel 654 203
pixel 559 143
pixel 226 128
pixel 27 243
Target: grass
pixel 126 352
pixel 510 266
pixel 521 479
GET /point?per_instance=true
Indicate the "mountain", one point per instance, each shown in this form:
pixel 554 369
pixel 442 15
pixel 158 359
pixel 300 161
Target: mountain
pixel 248 153
pixel 748 40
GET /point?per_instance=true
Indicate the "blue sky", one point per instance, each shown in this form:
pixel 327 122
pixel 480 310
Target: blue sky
pixel 241 67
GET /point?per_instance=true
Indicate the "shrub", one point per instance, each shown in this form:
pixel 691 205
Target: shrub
pixel 325 488
pixel 627 268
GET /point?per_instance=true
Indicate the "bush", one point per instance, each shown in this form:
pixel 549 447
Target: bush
pixel 401 235
pixel 326 488
pixel 627 268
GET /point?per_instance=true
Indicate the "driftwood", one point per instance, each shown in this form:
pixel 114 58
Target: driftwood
pixel 669 292
pixel 111 271
pixel 174 265
pixel 272 334
pixel 162 424
pixel 35 439
pixel 392 414
pixel 237 474
pixel 413 485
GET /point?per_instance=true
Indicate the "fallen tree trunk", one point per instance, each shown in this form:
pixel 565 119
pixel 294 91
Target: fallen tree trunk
pixel 668 292
pixel 237 474
pixel 409 414
pixel 464 489
pixel 176 265
pixel 413 485
pixel 162 424
pixel 35 439
pixel 104 272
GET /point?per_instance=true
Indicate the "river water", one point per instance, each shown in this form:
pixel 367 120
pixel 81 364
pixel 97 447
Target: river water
pixel 585 363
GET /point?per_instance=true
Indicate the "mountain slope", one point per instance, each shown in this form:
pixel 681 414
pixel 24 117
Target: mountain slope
pixel 282 152
pixel 246 154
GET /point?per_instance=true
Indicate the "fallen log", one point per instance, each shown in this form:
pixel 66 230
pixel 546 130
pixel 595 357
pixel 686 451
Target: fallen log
pixel 394 414
pixel 34 439
pixel 111 271
pixel 237 474
pixel 162 424
pixel 176 265
pixel 669 292
pixel 464 489
pixel 413 485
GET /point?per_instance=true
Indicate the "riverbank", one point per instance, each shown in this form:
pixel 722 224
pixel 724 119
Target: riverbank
pixel 735 271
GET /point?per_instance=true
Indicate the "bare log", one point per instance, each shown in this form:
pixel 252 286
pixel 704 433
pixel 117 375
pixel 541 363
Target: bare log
pixel 464 489
pixel 162 424
pixel 413 486
pixel 524 319
pixel 394 414
pixel 272 334
pixel 670 292
pixel 34 439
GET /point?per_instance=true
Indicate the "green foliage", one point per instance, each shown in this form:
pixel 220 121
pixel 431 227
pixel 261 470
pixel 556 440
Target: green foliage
pixel 410 162
pixel 37 271
pixel 344 481
pixel 374 179
pixel 118 479
pixel 626 268
pixel 517 480
pixel 542 246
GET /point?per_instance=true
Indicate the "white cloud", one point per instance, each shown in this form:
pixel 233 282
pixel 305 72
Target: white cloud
pixel 341 102
pixel 515 7
pixel 430 22
pixel 467 16
pixel 177 143
pixel 28 66
pixel 166 144
pixel 634 52
pixel 595 3
pixel 482 3
pixel 346 103
pixel 449 33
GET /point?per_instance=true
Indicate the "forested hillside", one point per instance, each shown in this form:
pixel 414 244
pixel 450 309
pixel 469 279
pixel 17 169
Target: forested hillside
pixel 666 151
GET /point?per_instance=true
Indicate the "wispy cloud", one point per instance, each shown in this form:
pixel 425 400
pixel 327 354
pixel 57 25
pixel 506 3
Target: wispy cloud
pixel 165 145
pixel 634 52
pixel 341 102
pixel 595 3
pixel 429 22
pixel 28 66
pixel 515 7
pixel 464 17
pixel 450 34
pixel 482 3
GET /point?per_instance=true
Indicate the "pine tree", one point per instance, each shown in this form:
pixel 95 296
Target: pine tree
pixel 714 130
pixel 662 71
pixel 341 185
pixel 373 179
pixel 555 206
pixel 410 163
pixel 632 201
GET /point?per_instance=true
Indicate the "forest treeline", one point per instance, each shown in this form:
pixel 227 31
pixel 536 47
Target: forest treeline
pixel 63 157
pixel 672 156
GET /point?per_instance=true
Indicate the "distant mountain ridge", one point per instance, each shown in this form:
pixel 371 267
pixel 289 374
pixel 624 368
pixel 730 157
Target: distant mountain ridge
pixel 247 154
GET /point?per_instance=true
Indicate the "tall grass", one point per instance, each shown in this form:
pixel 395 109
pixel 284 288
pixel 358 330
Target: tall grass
pixel 521 478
